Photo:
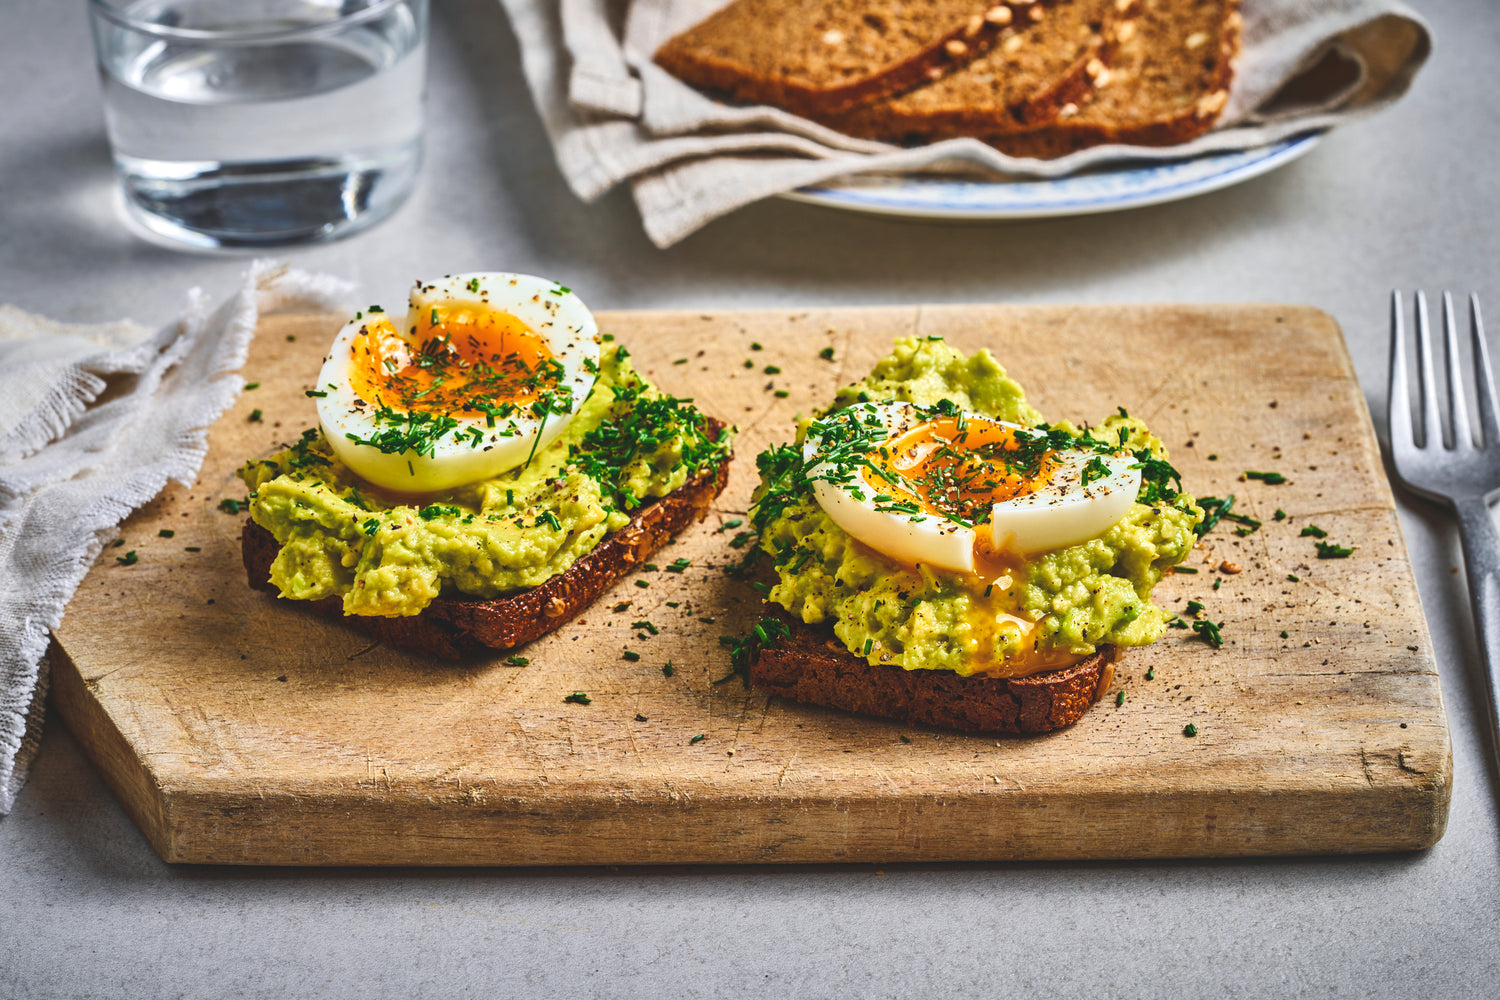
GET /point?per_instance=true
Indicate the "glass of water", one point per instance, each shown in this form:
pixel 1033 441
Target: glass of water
pixel 260 123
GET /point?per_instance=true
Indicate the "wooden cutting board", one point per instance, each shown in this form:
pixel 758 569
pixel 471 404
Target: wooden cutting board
pixel 236 729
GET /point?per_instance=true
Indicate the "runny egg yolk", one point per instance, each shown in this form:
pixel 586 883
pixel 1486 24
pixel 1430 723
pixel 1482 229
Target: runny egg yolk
pixel 959 468
pixel 464 359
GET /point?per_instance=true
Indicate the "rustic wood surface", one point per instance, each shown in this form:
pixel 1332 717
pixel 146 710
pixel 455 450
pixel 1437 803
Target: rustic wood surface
pixel 236 729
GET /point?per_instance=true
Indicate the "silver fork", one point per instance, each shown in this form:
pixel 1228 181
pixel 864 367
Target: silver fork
pixel 1462 474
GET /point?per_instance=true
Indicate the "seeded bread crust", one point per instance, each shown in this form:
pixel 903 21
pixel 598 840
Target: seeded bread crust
pixel 811 666
pixel 452 628
pixel 1040 64
pixel 821 57
pixel 1168 83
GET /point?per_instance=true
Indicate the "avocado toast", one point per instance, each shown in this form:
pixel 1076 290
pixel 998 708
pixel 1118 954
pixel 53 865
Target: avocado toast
pixel 944 556
pixel 478 476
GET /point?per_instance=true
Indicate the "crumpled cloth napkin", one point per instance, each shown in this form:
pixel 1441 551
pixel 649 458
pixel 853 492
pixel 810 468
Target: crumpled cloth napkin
pixel 94 421
pixel 613 116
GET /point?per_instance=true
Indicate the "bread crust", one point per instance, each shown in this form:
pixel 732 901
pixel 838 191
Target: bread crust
pixel 711 55
pixel 453 628
pixel 1197 112
pixel 988 96
pixel 809 665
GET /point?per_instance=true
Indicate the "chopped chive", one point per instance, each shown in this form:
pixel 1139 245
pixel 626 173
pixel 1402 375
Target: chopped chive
pixel 1209 632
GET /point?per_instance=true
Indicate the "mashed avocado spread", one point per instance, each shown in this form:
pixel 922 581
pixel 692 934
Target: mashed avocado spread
pixel 1041 611
pixel 627 444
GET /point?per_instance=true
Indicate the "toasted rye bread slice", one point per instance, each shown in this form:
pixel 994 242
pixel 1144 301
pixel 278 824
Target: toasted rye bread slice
pixel 1167 83
pixel 819 57
pixel 1039 65
pixel 453 628
pixel 811 666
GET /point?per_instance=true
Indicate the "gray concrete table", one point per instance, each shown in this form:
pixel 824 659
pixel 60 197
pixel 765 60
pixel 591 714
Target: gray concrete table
pixel 1411 199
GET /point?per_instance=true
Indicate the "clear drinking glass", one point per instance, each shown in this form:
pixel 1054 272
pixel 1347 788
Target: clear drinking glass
pixel 258 123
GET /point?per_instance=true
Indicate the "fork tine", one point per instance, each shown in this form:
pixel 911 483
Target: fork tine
pixel 1398 396
pixel 1432 427
pixel 1458 405
pixel 1484 380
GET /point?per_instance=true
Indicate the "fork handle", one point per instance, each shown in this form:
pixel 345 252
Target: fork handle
pixel 1481 545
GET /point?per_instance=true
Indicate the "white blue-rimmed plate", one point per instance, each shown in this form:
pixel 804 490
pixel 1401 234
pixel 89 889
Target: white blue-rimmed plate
pixel 1149 183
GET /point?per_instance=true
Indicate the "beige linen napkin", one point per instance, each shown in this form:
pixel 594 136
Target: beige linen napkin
pixel 613 116
pixel 94 421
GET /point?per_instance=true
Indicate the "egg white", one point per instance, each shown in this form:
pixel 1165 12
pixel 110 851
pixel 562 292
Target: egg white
pixel 1061 512
pixel 457 458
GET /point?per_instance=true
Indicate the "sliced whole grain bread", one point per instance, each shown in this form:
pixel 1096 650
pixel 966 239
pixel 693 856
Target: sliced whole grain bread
pixel 820 57
pixel 1167 83
pixel 454 628
pixel 809 665
pixel 1040 64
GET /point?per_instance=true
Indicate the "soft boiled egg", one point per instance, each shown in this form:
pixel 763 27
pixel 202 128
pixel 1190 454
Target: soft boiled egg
pixel 954 490
pixel 486 370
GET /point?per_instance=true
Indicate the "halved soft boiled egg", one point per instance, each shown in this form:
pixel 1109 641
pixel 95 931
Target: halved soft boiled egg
pixel 954 490
pixel 486 370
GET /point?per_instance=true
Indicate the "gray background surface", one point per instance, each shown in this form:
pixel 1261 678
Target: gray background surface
pixel 1410 199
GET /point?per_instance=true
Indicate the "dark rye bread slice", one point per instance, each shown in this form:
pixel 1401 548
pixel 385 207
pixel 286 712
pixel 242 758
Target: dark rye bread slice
pixel 819 57
pixel 453 628
pixel 809 665
pixel 1167 83
pixel 1040 63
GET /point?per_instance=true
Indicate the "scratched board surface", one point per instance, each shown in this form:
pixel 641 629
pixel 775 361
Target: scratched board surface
pixel 235 728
